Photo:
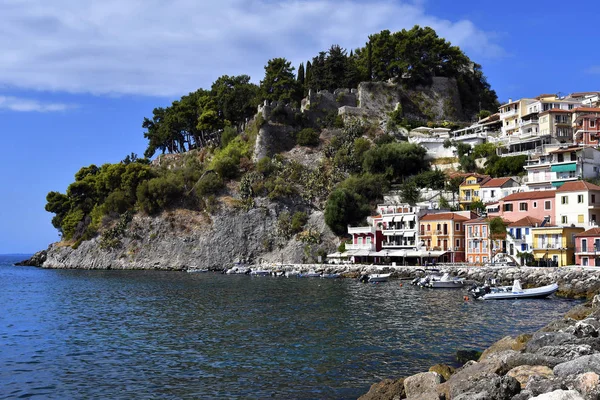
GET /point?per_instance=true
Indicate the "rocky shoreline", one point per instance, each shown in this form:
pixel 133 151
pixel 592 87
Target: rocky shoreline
pixel 558 362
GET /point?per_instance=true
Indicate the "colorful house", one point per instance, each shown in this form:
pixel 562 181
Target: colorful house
pixel 470 188
pixel 520 238
pixel 587 248
pixel 445 232
pixel 555 245
pixel 481 245
pixel 586 126
pixel 538 204
pixel 498 188
pixel 557 123
pixel 578 204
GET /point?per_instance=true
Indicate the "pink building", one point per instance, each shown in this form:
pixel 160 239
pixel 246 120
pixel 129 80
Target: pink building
pixel 587 247
pixel 586 125
pixel 536 204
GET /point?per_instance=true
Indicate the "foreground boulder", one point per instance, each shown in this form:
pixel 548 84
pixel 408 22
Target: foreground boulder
pixel 388 389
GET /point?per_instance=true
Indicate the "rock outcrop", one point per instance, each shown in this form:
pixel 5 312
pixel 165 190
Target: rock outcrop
pixel 532 372
pixel 37 260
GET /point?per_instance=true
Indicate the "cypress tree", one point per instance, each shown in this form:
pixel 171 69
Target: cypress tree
pixel 369 63
pixel 301 74
pixel 307 77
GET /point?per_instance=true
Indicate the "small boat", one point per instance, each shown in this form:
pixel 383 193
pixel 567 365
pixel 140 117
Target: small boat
pixel 515 291
pixel 330 276
pixel 238 268
pixel 310 274
pixel 439 281
pixel 377 278
pixel 196 270
pixel 293 273
pixel 260 272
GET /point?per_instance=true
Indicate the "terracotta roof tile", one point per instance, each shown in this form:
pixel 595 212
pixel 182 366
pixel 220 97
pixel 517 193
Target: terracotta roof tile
pixel 539 194
pixel 496 182
pixel 586 109
pixel 443 216
pixel 527 221
pixel 577 186
pixel 590 232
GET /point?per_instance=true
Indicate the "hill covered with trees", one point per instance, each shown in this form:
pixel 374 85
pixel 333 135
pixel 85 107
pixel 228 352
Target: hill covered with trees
pixel 337 167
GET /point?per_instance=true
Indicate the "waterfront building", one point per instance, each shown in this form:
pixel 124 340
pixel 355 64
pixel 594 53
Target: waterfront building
pixel 498 188
pixel 470 188
pixel 445 232
pixel 564 164
pixel 555 245
pixel 578 204
pixel 516 206
pixel 520 238
pixel 366 242
pixel 586 126
pixel 587 248
pixel 482 246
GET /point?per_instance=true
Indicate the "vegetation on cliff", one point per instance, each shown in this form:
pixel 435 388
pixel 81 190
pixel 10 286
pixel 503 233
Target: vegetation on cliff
pixel 217 131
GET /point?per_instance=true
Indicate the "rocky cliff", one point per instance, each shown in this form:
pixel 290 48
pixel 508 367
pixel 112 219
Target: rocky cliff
pixel 180 239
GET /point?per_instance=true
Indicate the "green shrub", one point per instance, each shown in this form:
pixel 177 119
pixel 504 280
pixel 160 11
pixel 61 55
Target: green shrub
pixel 226 167
pixel 265 166
pixel 307 137
pixel 209 184
pixel 299 219
pixel 229 133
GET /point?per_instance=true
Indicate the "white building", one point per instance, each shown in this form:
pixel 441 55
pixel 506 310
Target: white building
pixel 520 237
pixel 498 188
pixel 578 204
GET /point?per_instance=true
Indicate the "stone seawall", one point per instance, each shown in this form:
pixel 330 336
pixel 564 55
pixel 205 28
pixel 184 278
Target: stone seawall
pixel 574 282
pixel 560 361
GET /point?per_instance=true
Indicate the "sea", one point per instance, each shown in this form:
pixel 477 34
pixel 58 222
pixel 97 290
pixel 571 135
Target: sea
pixel 89 334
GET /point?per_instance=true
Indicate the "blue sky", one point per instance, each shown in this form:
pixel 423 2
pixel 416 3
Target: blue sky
pixel 77 78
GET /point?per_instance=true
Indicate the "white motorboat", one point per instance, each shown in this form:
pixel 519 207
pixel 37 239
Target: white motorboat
pixel 330 276
pixel 196 270
pixel 238 268
pixel 377 278
pixel 310 274
pixel 293 273
pixel 260 272
pixel 513 292
pixel 440 281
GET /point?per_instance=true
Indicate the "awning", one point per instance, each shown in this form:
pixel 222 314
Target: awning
pixel 571 167
pixel 361 253
pixel 337 254
pixel 409 234
pixel 392 233
pixel 410 217
pixel 557 184
pixel 397 218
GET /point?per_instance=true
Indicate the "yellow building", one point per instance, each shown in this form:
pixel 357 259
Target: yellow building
pixel 555 245
pixel 470 189
pixel 557 123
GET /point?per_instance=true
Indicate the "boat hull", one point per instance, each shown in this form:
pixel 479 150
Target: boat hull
pixel 537 293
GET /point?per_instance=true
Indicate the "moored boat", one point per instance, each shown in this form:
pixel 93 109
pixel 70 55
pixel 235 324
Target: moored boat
pixel 515 291
pixel 437 281
pixel 310 274
pixel 196 270
pixel 260 272
pixel 330 276
pixel 378 278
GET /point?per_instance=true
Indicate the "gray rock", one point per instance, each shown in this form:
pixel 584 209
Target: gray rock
pixel 559 395
pixel 579 365
pixel 524 395
pixel 543 339
pixel 583 329
pixel 566 352
pixel 422 384
pixel 538 384
pixel 486 387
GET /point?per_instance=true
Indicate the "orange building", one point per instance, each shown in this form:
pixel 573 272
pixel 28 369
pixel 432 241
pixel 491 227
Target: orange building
pixel 445 232
pixel 481 246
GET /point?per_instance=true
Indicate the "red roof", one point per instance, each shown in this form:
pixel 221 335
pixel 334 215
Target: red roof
pixel 496 182
pixel 590 232
pixel 538 194
pixel 586 109
pixel 527 221
pixel 577 186
pixel 568 149
pixel 443 216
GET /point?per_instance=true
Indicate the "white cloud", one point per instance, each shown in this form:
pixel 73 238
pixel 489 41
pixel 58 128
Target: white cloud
pixel 154 47
pixel 28 105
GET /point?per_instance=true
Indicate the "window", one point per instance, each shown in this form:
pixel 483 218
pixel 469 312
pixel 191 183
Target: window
pixel 457 243
pixel 523 206
pixel 368 239
pixel 428 227
pixel 485 245
pixel 507 207
pixel 484 231
pixel 580 219
pixel 580 198
pixel 547 205
pixel 563 219
pixel 592 123
pixel 584 261
pixel 535 204
pixel 457 227
pixel 470 231
pixel 593 198
pixel 492 193
pixel 527 231
pixel 439 243
pixel 564 200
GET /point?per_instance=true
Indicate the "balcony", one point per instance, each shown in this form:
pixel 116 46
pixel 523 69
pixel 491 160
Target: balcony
pixel 360 246
pixel 587 250
pixel 360 230
pixel 508 114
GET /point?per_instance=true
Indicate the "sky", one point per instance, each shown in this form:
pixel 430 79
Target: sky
pixel 78 77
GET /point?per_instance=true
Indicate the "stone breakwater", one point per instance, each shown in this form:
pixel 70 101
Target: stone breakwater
pixel 560 361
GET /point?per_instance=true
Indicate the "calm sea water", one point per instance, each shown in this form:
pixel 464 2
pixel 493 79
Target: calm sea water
pixel 74 334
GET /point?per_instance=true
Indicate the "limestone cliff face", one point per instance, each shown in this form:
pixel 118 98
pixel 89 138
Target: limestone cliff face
pixel 180 239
